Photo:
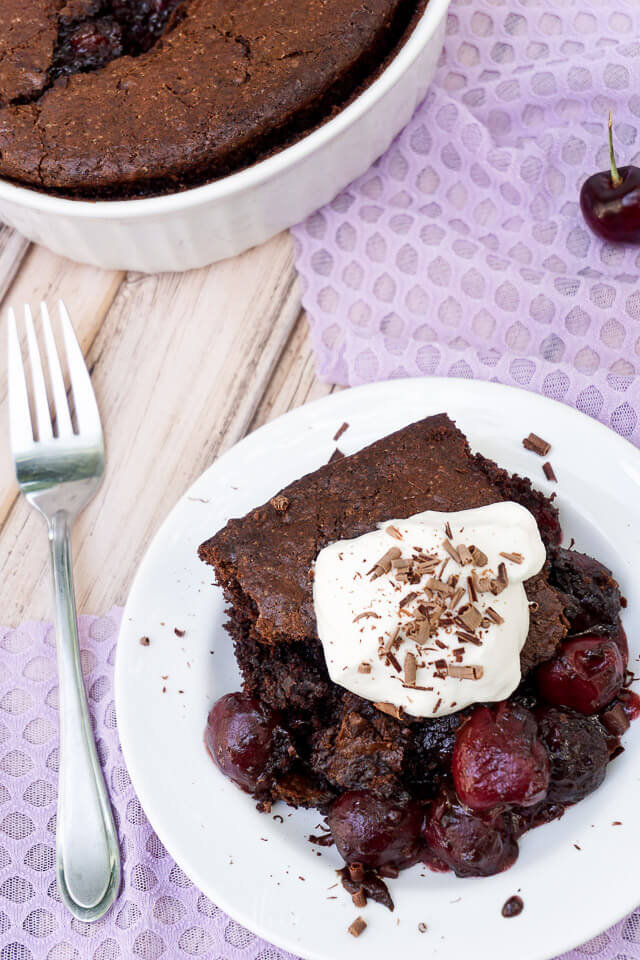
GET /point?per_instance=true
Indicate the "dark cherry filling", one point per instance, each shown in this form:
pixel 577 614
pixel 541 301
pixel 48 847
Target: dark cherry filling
pixel 246 741
pixel 470 844
pixel 498 759
pixel 373 831
pixel 94 32
pixel 578 752
pixel 494 772
pixel 593 596
pixel 586 674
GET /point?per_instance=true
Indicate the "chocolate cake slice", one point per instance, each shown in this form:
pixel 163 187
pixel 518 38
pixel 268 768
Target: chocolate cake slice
pixel 263 561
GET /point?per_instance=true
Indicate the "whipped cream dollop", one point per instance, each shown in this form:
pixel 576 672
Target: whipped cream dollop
pixel 429 614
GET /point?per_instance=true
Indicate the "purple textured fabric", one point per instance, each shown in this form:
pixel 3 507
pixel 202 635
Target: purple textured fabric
pixel 463 251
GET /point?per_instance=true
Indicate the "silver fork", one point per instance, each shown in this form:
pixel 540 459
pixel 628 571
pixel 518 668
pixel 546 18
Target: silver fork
pixel 59 474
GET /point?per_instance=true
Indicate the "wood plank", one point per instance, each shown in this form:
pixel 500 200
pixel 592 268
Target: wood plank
pixel 294 381
pixel 42 275
pixel 13 250
pixel 179 365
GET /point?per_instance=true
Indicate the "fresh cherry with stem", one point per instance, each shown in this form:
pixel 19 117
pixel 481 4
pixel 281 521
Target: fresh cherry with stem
pixel 610 200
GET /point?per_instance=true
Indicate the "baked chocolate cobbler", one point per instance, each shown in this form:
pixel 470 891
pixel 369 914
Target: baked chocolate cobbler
pixel 124 98
pixel 433 764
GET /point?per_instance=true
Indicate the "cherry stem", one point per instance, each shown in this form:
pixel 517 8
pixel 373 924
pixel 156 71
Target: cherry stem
pixel 616 179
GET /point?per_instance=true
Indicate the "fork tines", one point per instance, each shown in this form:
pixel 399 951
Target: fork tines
pixel 50 404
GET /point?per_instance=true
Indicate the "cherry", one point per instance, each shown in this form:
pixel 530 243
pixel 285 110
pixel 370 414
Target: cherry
pixel 593 597
pixel 373 831
pixel 610 201
pixel 470 844
pixel 498 759
pixel 244 738
pixel 577 747
pixel 586 674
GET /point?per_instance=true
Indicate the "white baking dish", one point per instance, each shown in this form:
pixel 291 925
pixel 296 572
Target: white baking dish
pixel 195 227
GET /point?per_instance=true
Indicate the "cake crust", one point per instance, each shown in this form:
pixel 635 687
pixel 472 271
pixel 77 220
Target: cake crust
pixel 225 85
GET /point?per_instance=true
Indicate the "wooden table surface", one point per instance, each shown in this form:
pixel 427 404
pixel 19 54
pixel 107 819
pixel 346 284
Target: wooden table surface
pixel 183 366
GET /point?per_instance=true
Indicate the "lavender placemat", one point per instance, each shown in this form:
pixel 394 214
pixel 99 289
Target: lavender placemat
pixel 463 251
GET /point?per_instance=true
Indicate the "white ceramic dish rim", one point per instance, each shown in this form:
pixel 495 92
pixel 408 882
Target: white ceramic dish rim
pixel 253 176
pixel 593 925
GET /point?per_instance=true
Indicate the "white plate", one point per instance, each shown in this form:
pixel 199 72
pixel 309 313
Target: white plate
pixel 252 865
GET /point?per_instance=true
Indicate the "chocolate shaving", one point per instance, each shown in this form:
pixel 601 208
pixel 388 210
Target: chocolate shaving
pixel 359 898
pixel 324 840
pixel 468 638
pixel 410 669
pixel 439 586
pixel 280 503
pixel 383 565
pixel 471 618
pixel 536 444
pixel 356 872
pixel 466 672
pixel 466 557
pixel 615 720
pixel 401 564
pixel 340 431
pixel 366 613
pixel 424 631
pixel 357 927
pixel 389 708
pixel 393 660
pixel 373 885
pixel 451 550
pixel 480 559
pixel 393 532
pixel 549 472
pixel 514 557
pixel 336 455
pixel 394 640
pixel 456 598
pixel 471 587
pixel 501 582
pixel 447 530
pixel 364 667
pixel 409 597
pixel 494 615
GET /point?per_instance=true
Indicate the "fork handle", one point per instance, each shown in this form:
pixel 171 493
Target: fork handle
pixel 88 858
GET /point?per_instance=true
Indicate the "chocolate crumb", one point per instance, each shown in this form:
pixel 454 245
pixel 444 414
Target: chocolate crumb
pixel 336 455
pixel 536 444
pixel 357 927
pixel 549 472
pixel 340 431
pixel 280 503
pixel 513 907
pixel 422 927
pixel 178 633
pixel 144 641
